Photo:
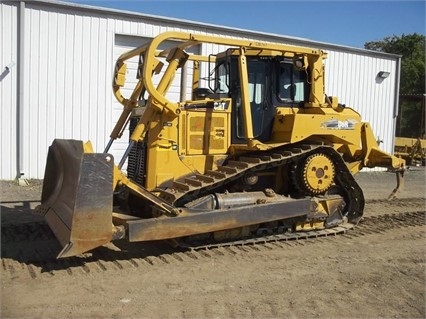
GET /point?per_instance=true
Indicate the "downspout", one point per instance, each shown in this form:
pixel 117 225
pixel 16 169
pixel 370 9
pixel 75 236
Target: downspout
pixel 396 99
pixel 20 95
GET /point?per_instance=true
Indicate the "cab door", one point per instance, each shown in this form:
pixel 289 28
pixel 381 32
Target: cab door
pixel 262 110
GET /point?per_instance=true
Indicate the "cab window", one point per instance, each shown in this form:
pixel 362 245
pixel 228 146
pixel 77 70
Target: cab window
pixel 222 79
pixel 293 86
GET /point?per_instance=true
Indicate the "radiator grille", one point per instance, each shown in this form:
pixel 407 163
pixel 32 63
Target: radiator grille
pixel 136 161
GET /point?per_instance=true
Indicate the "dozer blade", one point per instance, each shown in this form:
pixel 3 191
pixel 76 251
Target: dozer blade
pixel 77 196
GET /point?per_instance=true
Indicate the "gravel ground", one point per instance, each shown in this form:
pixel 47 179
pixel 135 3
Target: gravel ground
pixel 375 272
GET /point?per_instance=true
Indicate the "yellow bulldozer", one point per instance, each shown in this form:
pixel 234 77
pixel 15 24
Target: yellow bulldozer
pixel 258 150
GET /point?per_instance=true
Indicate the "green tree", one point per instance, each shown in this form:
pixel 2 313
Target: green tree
pixel 412 80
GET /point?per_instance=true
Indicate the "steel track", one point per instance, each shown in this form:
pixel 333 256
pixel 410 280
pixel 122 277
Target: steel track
pixel 190 188
pixel 367 225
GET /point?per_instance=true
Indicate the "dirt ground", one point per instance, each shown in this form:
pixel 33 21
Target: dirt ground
pixel 373 272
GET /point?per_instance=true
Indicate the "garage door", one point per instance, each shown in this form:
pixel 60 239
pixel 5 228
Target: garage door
pixel 123 44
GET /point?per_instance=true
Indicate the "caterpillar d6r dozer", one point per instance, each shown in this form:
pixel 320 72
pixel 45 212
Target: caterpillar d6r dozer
pixel 258 150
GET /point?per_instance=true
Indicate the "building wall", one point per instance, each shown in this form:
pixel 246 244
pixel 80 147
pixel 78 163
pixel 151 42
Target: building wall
pixel 69 55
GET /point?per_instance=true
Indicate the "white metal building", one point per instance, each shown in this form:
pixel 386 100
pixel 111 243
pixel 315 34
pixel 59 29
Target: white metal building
pixel 57 59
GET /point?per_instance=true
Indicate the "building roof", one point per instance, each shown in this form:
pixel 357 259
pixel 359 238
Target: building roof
pixel 190 23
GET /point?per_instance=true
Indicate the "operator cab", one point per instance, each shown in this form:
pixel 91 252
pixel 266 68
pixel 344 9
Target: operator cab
pixel 273 81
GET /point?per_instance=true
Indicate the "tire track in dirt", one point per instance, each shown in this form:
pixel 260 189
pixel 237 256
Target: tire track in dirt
pixel 39 231
pixel 36 259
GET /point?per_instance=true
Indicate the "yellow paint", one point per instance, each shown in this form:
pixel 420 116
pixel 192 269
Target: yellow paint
pixel 185 137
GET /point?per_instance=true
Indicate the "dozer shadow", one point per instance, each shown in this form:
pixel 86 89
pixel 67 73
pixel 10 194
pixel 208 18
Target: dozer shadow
pixel 17 211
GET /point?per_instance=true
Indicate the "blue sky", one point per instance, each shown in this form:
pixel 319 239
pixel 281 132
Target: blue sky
pixel 350 23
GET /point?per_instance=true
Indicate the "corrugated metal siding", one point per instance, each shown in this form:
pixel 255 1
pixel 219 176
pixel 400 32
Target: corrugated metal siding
pixel 69 60
pixel 66 82
pixel 8 90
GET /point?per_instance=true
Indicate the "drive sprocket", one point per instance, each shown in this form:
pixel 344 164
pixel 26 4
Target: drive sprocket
pixel 315 175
